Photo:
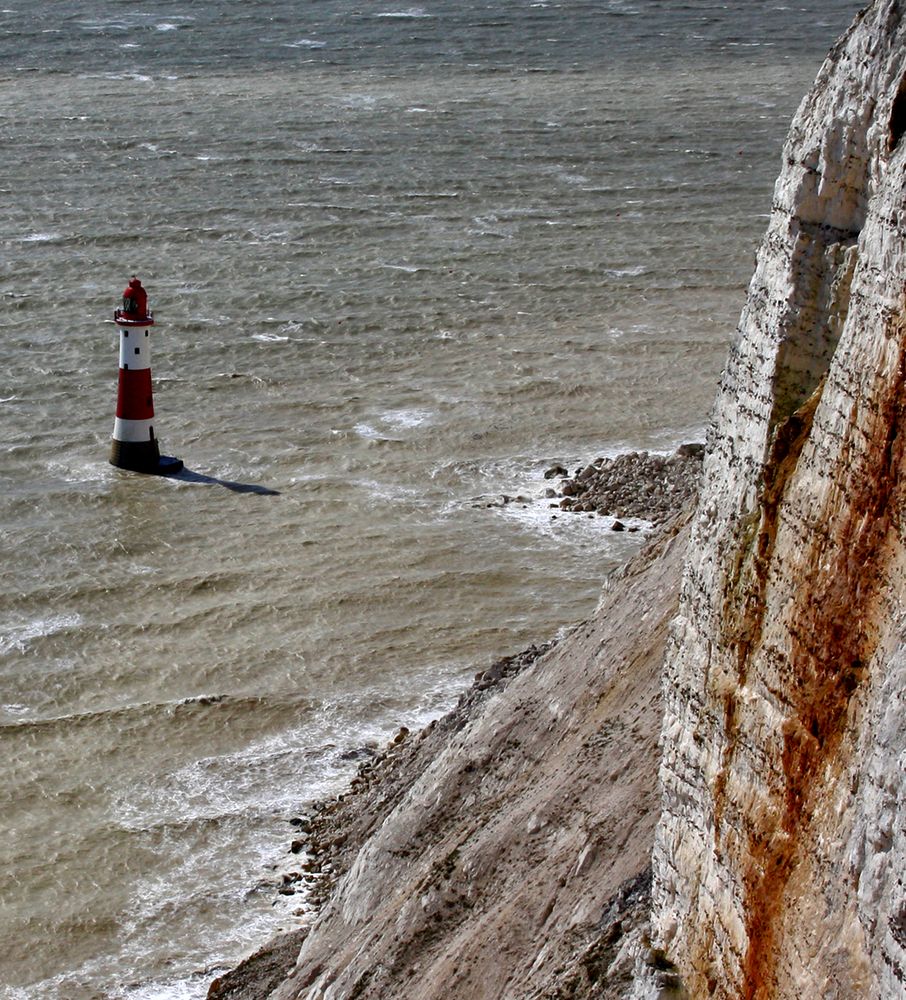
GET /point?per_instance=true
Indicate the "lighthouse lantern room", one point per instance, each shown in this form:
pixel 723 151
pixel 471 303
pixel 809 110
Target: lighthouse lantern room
pixel 134 445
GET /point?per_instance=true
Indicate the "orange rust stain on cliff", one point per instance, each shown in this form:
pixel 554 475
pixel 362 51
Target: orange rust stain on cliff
pixel 744 624
pixel 743 616
pixel 834 632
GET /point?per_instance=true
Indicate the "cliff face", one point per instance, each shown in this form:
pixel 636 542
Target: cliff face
pixel 780 854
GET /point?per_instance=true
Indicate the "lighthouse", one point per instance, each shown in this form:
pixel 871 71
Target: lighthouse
pixel 134 445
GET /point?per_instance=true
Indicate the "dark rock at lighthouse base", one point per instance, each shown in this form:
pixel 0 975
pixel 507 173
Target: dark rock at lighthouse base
pixel 168 466
pixel 143 456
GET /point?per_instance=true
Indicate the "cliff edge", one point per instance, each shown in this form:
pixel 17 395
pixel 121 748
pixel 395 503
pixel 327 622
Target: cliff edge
pixel 780 854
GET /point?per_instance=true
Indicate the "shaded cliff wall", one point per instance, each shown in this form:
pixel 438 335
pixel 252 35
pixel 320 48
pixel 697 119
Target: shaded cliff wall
pixel 780 855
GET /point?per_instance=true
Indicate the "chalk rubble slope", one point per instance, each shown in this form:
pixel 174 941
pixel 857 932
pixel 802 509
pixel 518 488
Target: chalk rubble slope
pixel 780 854
pixel 505 851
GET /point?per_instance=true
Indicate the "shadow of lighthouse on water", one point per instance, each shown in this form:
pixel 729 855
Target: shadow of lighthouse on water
pixel 134 445
pixel 185 475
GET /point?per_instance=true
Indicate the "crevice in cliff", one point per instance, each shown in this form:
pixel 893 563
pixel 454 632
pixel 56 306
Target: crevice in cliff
pixel 816 314
pixel 756 534
pixel 897 118
pixel 746 582
pixel 744 604
pixel 824 260
pixel 825 204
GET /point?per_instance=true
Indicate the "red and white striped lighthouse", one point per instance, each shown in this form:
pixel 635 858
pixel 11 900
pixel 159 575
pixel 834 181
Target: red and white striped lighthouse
pixel 134 444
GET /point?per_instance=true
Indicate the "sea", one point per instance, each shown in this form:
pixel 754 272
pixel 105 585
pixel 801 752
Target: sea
pixel 402 259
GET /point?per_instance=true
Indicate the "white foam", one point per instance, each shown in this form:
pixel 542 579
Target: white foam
pixel 360 101
pixel 392 422
pixel 18 637
pixel 530 509
pixel 406 418
pixel 392 492
pixel 407 268
pixel 269 338
pixel 15 709
pixel 367 431
pixel 39 238
pixel 176 989
pixel 305 43
pixel 625 272
pixel 108 24
pixel 134 77
pixel 413 14
pixel 538 515
pixel 433 195
pixel 234 784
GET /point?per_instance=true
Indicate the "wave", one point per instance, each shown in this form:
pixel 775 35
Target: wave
pixel 433 195
pixel 268 338
pixel 405 419
pixel 305 43
pixel 393 422
pixel 146 714
pixel 38 238
pixel 412 14
pixel 405 268
pixel 19 637
pixel 131 75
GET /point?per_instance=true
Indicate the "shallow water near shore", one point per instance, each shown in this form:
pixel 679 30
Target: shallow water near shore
pixel 402 260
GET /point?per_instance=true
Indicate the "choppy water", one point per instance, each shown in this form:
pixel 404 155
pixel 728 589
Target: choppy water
pixel 402 259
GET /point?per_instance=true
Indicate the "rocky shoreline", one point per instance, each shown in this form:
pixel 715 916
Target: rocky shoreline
pixel 636 484
pixel 327 835
pixel 640 485
pixel 530 806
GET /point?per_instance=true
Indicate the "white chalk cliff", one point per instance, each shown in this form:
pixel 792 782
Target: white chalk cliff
pixel 780 854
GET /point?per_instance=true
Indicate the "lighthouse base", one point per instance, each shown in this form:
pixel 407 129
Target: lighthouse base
pixel 143 456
